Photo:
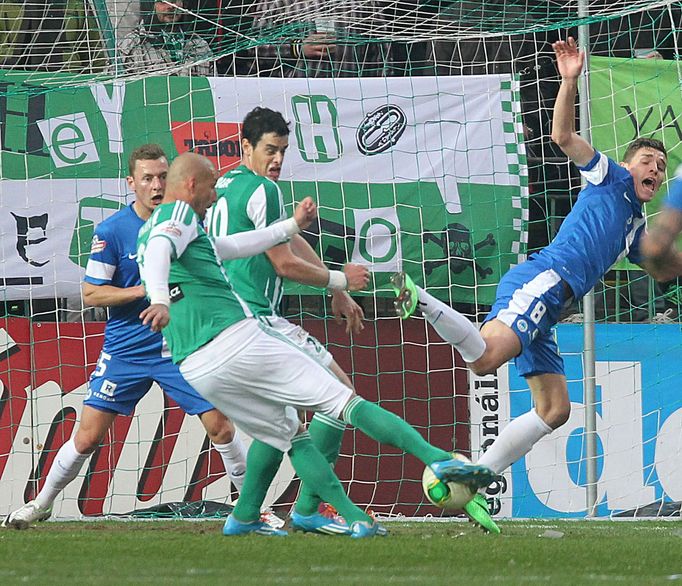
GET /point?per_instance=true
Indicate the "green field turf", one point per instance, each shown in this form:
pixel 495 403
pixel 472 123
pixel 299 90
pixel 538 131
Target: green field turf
pixel 175 552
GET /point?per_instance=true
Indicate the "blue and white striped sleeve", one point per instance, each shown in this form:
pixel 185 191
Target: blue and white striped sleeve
pixel 103 259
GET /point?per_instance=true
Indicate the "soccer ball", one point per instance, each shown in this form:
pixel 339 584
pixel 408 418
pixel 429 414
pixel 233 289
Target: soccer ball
pixel 449 496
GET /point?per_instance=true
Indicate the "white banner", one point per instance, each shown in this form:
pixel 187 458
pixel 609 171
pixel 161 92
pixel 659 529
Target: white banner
pixel 445 129
pixel 38 228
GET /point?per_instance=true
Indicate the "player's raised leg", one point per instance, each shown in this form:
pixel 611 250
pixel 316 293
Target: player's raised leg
pixel 450 325
pixel 386 427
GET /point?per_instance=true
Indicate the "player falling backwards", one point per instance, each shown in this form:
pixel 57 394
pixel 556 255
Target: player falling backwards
pixel 248 369
pixel 605 224
pixel 248 198
pixel 131 356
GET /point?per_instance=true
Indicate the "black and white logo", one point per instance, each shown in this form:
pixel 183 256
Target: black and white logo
pixel 175 292
pixel 380 130
pixel 31 232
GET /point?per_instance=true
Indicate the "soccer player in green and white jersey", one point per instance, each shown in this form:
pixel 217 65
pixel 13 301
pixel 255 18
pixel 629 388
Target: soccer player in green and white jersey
pixel 248 198
pixel 246 369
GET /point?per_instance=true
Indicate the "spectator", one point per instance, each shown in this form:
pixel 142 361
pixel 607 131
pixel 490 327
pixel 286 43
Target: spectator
pixel 51 36
pixel 162 43
pixel 319 48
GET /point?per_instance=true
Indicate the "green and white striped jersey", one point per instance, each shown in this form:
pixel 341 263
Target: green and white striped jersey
pixel 247 201
pixel 203 302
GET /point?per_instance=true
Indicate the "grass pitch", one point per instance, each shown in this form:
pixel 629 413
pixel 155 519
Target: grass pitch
pixel 170 552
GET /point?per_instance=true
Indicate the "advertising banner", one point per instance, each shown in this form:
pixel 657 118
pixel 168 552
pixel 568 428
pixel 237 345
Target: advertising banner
pixel 429 177
pixel 160 455
pixel 639 417
pixel 632 98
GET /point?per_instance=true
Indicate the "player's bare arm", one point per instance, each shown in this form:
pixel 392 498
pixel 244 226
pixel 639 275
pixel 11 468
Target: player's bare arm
pixel 570 63
pixel 295 268
pixel 662 259
pixel 110 296
pixel 343 305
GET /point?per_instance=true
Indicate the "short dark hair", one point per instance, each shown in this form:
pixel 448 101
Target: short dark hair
pixel 643 143
pixel 260 121
pixel 146 152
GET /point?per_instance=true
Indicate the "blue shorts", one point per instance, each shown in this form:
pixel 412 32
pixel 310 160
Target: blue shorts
pixel 530 298
pixel 117 385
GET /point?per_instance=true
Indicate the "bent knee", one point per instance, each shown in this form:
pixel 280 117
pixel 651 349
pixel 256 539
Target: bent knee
pixel 86 443
pixel 556 415
pixel 223 434
pixel 485 365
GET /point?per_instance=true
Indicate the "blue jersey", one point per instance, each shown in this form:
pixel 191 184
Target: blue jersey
pixel 674 198
pixel 113 262
pixel 605 225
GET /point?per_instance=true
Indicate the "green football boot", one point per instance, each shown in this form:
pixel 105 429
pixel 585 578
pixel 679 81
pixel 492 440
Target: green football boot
pixel 477 510
pixel 407 296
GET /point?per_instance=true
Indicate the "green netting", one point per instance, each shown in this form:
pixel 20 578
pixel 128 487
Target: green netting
pixel 457 192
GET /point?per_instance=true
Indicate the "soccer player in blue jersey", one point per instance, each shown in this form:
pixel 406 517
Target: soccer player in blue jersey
pixel 605 224
pixel 131 358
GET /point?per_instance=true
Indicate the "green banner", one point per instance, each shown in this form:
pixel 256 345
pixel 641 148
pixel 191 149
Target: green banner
pixel 633 98
pixel 399 184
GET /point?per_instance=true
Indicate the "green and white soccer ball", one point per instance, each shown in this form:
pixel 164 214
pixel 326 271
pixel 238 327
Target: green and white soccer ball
pixel 448 496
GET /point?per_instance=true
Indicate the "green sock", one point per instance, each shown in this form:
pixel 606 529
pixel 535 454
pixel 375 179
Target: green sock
pixel 262 463
pixel 326 434
pixel 387 428
pixel 315 471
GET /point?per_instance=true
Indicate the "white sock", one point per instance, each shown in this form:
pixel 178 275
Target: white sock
pixel 515 441
pixel 234 460
pixel 67 464
pixel 452 326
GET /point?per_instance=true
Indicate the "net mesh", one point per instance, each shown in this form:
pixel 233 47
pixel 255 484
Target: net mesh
pixel 472 184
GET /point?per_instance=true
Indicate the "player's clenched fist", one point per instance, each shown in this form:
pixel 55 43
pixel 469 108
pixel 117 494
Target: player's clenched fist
pixel 305 212
pixel 357 276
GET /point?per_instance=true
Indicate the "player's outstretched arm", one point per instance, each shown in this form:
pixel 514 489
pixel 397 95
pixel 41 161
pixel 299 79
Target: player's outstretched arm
pixel 298 262
pixel 110 296
pixel 343 305
pixel 245 244
pixel 570 63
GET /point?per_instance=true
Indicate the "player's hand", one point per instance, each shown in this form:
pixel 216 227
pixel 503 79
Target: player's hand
pixel 157 316
pixel 357 276
pixel 343 306
pixel 305 212
pixel 319 46
pixel 569 59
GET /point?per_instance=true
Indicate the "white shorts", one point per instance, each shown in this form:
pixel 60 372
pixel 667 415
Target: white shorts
pixel 300 337
pixel 260 379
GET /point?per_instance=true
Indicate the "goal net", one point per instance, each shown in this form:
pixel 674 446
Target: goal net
pixel 422 129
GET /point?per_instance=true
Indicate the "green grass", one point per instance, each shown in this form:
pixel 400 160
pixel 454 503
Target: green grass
pixel 170 552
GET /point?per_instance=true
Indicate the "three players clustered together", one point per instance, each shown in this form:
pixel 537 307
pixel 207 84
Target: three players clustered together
pixel 207 269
